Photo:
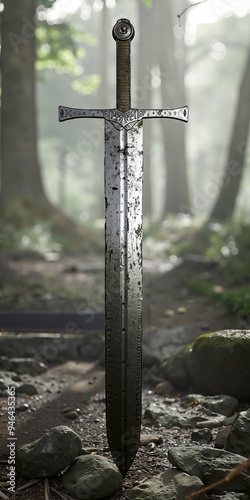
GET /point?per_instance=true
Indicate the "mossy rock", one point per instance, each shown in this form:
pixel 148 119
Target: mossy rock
pixel 219 363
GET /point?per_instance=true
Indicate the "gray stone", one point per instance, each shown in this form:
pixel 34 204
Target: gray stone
pixel 168 417
pixel 5 363
pixel 148 358
pixel 29 389
pixel 28 365
pixel 225 405
pixel 238 440
pixel 7 380
pixel 202 436
pixel 234 496
pixel 92 477
pixel 175 369
pixel 172 484
pixel 49 348
pixel 71 415
pixel 163 342
pixel 91 346
pixel 218 363
pixel 210 465
pixel 221 437
pixel 48 455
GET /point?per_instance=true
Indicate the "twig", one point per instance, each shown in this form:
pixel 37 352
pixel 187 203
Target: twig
pixel 187 8
pixel 3 496
pixel 234 472
pixel 58 493
pixel 46 489
pixel 21 488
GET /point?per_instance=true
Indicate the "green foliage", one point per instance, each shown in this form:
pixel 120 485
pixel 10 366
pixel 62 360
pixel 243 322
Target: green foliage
pixel 57 49
pixel 38 238
pixel 229 244
pixel 238 301
pixel 148 3
pixel 87 85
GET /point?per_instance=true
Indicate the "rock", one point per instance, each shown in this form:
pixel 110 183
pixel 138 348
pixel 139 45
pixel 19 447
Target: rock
pixel 7 380
pixel 210 424
pixel 164 341
pixel 71 415
pixel 218 363
pixel 164 388
pixel 27 388
pixel 192 398
pixel 172 484
pixel 234 496
pixel 48 455
pixel 169 313
pixel 148 358
pixel 221 438
pixel 181 310
pixel 202 436
pixel 92 477
pixel 175 369
pixel 145 439
pixel 169 418
pixel 238 440
pixel 225 405
pixel 28 365
pixel 5 363
pixel 210 465
pixel 23 407
pixel 91 346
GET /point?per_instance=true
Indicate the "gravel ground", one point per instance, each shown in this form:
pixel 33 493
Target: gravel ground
pixel 81 385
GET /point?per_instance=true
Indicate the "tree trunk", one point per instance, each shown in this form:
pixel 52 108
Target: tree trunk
pixel 22 194
pixel 143 97
pixel 232 175
pixel 173 95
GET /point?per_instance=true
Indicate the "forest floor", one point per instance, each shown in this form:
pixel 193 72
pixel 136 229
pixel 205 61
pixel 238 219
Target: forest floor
pixel 30 283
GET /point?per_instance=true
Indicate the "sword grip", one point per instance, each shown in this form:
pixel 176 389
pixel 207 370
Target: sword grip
pixel 123 33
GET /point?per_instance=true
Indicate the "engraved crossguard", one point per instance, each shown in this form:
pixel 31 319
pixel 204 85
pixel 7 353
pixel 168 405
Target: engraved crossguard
pixel 123 116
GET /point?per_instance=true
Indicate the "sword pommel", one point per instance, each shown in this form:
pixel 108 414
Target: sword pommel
pixel 123 33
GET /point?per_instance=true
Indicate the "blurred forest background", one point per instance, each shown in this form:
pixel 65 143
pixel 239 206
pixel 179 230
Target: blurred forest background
pixel 197 175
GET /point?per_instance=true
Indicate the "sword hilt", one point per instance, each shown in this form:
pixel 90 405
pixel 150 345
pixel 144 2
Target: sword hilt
pixel 123 33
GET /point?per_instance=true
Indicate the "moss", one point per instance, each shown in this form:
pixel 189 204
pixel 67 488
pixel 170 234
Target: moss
pixel 221 339
pixel 218 363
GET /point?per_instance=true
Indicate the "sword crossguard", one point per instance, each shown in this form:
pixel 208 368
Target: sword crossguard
pixel 123 33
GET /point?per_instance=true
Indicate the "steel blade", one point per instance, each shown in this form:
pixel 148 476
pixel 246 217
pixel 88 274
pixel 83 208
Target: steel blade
pixel 123 289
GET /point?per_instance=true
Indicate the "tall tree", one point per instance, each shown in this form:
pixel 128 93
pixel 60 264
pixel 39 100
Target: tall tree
pixel 173 95
pixel 143 96
pixel 232 175
pixel 22 193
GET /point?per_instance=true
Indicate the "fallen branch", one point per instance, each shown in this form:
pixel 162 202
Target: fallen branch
pixel 234 472
pixel 58 493
pixel 187 8
pixel 3 496
pixel 46 489
pixel 28 485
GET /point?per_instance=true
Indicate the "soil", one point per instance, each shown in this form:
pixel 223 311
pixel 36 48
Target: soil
pixel 29 282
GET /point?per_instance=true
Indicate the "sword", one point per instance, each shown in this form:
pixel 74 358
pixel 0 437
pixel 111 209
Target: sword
pixel 123 166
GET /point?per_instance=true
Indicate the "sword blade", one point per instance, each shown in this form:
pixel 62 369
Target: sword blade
pixel 123 289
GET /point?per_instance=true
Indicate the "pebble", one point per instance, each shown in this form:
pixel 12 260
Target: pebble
pixel 164 388
pixel 71 415
pixel 146 439
pixel 169 312
pixel 22 407
pixel 181 310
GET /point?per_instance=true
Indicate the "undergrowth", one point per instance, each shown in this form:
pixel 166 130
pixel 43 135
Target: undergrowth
pixel 228 244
